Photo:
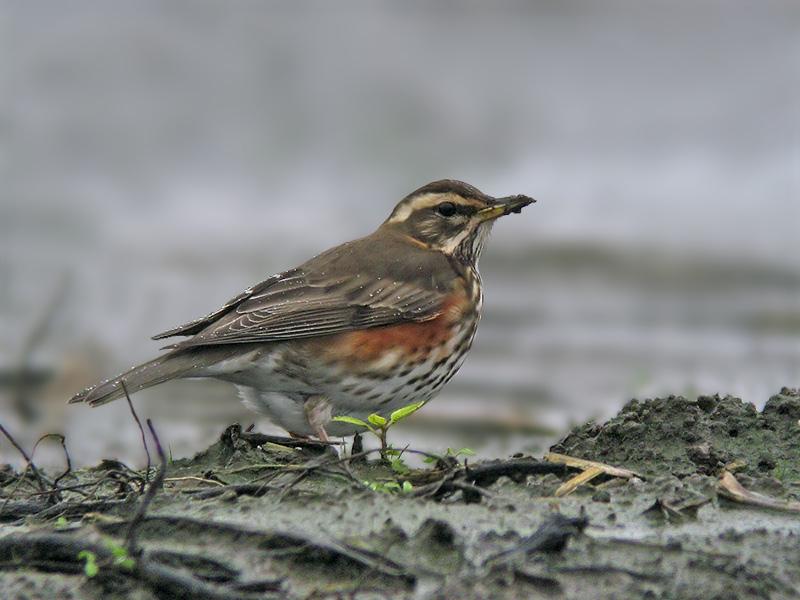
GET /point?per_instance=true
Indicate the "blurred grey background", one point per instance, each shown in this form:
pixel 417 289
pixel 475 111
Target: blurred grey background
pixel 158 157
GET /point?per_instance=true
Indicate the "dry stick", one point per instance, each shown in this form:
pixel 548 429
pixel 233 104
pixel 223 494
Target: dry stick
pixel 552 535
pixel 78 488
pixel 730 488
pixel 68 470
pixel 141 429
pixel 158 481
pixel 43 483
pixel 580 463
pixel 55 552
pixel 62 441
pixel 122 478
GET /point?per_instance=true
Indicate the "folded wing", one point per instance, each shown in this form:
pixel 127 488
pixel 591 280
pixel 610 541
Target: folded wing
pixel 327 295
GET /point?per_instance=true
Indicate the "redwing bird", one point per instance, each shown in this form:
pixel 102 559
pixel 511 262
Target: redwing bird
pixel 366 327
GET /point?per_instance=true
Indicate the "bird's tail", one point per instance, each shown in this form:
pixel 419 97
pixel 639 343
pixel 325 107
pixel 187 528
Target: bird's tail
pixel 168 366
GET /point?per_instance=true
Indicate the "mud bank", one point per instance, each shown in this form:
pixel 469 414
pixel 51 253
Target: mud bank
pixel 253 517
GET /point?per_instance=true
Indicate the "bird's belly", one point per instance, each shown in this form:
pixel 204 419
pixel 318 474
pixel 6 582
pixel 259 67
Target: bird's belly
pixel 379 371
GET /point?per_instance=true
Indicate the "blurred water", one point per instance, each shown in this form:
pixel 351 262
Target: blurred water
pixel 165 156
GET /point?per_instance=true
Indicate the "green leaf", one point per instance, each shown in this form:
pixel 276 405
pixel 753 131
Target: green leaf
pixel 377 420
pixel 126 563
pixel 62 523
pixel 407 487
pixel 385 487
pixel 351 420
pixel 400 467
pixel 460 452
pixel 402 413
pixel 90 568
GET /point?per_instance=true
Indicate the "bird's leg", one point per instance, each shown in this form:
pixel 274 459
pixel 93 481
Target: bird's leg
pixel 318 413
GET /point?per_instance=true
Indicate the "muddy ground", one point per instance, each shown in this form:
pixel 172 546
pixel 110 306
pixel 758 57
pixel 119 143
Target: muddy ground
pixel 255 517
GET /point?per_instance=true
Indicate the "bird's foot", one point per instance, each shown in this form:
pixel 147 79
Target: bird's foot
pixel 318 413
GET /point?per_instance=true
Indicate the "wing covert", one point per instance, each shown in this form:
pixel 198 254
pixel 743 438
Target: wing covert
pixel 349 287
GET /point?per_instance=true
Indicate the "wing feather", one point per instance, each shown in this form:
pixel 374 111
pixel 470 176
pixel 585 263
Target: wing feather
pixel 325 296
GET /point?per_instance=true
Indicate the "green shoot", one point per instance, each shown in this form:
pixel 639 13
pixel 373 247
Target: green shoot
pixel 389 487
pixel 379 425
pixel 399 466
pixel 121 557
pixel 396 462
pixel 90 568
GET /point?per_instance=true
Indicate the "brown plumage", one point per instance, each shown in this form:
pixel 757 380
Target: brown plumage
pixel 348 331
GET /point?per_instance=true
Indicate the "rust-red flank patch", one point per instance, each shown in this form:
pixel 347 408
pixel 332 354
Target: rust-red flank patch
pixel 414 339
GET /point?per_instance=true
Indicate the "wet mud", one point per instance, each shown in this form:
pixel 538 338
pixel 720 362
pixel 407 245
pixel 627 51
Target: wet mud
pixel 259 517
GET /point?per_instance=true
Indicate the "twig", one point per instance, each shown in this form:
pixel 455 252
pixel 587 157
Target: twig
pixel 240 489
pixel 43 482
pixel 551 536
pixel 603 570
pixel 76 509
pixel 580 463
pixel 195 478
pixel 141 429
pixel 18 509
pixel 55 489
pixel 78 488
pixel 68 470
pixel 277 541
pixel 258 439
pixel 578 480
pixel 516 468
pixel 59 553
pixel 472 491
pixel 158 481
pixel 730 488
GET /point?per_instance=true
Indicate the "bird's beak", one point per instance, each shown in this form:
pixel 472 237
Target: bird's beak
pixel 504 206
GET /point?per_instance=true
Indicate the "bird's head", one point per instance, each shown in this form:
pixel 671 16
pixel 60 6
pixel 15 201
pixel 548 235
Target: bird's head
pixel 452 217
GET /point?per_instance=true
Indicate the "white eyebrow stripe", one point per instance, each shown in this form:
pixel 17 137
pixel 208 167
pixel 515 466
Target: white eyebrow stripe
pixel 427 200
pixel 403 212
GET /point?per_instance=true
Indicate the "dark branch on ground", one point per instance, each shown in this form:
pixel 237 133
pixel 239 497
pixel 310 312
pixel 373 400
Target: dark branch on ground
pixel 152 490
pixel 141 429
pixel 44 482
pixel 551 536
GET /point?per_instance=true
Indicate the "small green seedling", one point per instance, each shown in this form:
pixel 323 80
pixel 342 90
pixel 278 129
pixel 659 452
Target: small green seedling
pixel 379 426
pixel 121 557
pixel 120 554
pixel 61 522
pixel 389 487
pixel 90 567
pixel 396 462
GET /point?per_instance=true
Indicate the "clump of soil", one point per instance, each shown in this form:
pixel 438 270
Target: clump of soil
pixel 682 437
pixel 256 517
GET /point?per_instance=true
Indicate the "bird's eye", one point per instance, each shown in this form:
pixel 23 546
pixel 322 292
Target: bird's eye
pixel 446 209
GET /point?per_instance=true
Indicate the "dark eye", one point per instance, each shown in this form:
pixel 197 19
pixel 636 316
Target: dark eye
pixel 446 209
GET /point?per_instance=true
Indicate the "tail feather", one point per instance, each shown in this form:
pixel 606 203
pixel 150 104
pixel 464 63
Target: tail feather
pixel 160 369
